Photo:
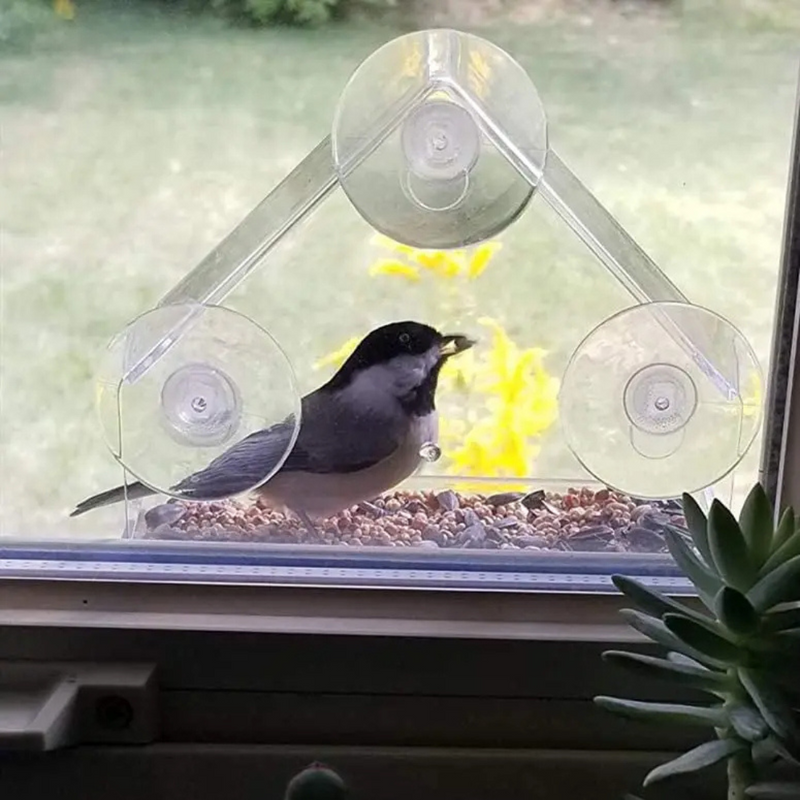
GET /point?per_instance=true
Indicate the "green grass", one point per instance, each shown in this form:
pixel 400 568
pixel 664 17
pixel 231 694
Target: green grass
pixel 135 138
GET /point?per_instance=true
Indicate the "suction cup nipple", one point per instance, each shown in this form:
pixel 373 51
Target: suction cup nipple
pixel 441 144
pixel 201 405
pixel 660 399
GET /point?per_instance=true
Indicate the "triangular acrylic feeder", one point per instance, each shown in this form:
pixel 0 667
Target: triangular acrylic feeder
pixel 439 140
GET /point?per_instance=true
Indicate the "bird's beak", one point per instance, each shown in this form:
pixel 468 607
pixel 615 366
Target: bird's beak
pixel 455 344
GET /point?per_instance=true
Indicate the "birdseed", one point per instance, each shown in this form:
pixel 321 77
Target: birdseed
pixel 582 520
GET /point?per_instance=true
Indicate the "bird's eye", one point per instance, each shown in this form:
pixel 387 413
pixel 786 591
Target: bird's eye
pixel 404 338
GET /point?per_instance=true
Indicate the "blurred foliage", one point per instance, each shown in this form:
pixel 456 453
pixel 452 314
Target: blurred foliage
pixel 517 399
pixel 751 15
pixel 265 12
pixel 64 8
pixel 21 20
pixel 305 13
pixel 296 12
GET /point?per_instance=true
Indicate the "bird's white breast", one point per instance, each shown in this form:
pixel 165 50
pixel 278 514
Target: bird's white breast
pixel 324 494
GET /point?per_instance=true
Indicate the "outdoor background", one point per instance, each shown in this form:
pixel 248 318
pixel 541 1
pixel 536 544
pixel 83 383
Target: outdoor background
pixel 135 135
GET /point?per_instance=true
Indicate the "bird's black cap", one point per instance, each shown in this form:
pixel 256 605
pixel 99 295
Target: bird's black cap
pixel 397 339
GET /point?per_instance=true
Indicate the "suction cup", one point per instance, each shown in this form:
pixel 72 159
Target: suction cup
pixel 641 410
pixel 419 134
pixel 222 379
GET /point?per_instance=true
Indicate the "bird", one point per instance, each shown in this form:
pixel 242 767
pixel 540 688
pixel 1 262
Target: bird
pixel 361 433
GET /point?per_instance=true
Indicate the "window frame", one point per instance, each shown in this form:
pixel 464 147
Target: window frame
pixel 780 460
pixel 267 642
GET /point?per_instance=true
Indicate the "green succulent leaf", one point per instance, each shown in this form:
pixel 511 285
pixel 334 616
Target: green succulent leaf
pixel 702 756
pixel 664 712
pixel 704 580
pixel 656 630
pixel 748 723
pixel 764 752
pixel 704 639
pixel 782 585
pixel 662 668
pixel 698 527
pixel 651 601
pixel 708 623
pixel 787 645
pixel 781 751
pixel 781 620
pixel 735 612
pixel 680 658
pixel 787 526
pixel 770 750
pixel 729 548
pixel 775 790
pixel 771 703
pixel 785 673
pixel 788 550
pixel 755 521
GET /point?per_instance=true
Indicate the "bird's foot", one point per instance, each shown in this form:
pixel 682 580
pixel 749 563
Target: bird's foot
pixel 312 529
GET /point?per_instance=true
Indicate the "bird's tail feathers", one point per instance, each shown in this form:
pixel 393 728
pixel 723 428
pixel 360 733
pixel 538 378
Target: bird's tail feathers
pixel 133 491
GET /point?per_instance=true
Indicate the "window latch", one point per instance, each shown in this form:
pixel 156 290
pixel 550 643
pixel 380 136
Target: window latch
pixel 51 705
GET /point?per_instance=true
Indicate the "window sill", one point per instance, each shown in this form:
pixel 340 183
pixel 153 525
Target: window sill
pixel 282 665
pixel 210 772
pixel 312 610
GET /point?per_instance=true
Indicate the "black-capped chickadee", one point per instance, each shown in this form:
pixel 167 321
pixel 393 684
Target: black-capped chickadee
pixel 360 434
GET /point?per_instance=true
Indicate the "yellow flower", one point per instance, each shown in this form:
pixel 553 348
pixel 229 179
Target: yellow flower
pixel 481 258
pixel 447 264
pixel 339 356
pixel 440 94
pixel 439 262
pixel 753 397
pixel 388 266
pixel 478 73
pixel 64 8
pixel 521 403
pixel 391 244
pixel 412 59
pixel 459 374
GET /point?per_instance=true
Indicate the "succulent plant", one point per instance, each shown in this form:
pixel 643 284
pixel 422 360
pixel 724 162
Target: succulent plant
pixel 742 649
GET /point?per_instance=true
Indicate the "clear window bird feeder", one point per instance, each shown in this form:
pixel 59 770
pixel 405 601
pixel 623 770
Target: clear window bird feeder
pixel 439 153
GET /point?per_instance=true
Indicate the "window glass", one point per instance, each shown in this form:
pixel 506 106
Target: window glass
pixel 137 136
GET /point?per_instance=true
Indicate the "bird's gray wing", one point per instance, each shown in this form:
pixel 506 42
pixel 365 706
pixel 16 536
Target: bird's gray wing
pixel 242 466
pixel 332 438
